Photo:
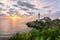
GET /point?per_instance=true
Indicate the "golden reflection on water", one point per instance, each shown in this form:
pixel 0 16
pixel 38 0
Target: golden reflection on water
pixel 13 19
pixel 13 24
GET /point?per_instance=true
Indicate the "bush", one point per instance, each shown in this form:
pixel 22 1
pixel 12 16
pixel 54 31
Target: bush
pixel 36 34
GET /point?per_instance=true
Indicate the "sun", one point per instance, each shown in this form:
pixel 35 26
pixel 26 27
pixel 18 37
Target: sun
pixel 14 17
pixel 14 20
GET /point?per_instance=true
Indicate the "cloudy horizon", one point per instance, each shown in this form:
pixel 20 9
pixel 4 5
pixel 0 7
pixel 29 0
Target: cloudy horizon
pixel 30 7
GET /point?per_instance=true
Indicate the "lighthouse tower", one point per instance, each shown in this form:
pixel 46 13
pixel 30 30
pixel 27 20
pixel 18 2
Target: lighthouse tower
pixel 38 16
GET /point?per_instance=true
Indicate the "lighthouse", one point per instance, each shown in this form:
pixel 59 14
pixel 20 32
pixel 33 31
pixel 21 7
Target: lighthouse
pixel 38 16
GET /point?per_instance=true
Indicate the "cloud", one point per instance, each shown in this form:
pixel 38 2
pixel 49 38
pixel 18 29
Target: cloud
pixel 0 9
pixel 56 14
pixel 25 15
pixel 31 13
pixel 28 7
pixel 26 4
pixel 15 5
pixel 25 9
pixel 1 14
pixel 53 15
pixel 47 6
pixel 2 4
pixel 12 11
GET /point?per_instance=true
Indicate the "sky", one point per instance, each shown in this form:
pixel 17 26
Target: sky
pixel 49 8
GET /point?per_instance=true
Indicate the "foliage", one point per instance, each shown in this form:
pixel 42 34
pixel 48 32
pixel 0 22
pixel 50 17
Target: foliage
pixel 36 34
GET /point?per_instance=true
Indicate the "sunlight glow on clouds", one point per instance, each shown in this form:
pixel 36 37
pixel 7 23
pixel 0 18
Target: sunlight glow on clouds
pixel 28 7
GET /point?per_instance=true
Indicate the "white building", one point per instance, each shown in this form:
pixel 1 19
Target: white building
pixel 38 16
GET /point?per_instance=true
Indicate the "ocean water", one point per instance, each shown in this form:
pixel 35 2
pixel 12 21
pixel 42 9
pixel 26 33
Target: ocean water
pixel 7 29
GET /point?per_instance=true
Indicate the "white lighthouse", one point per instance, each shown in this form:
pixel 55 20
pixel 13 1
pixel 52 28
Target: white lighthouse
pixel 38 16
